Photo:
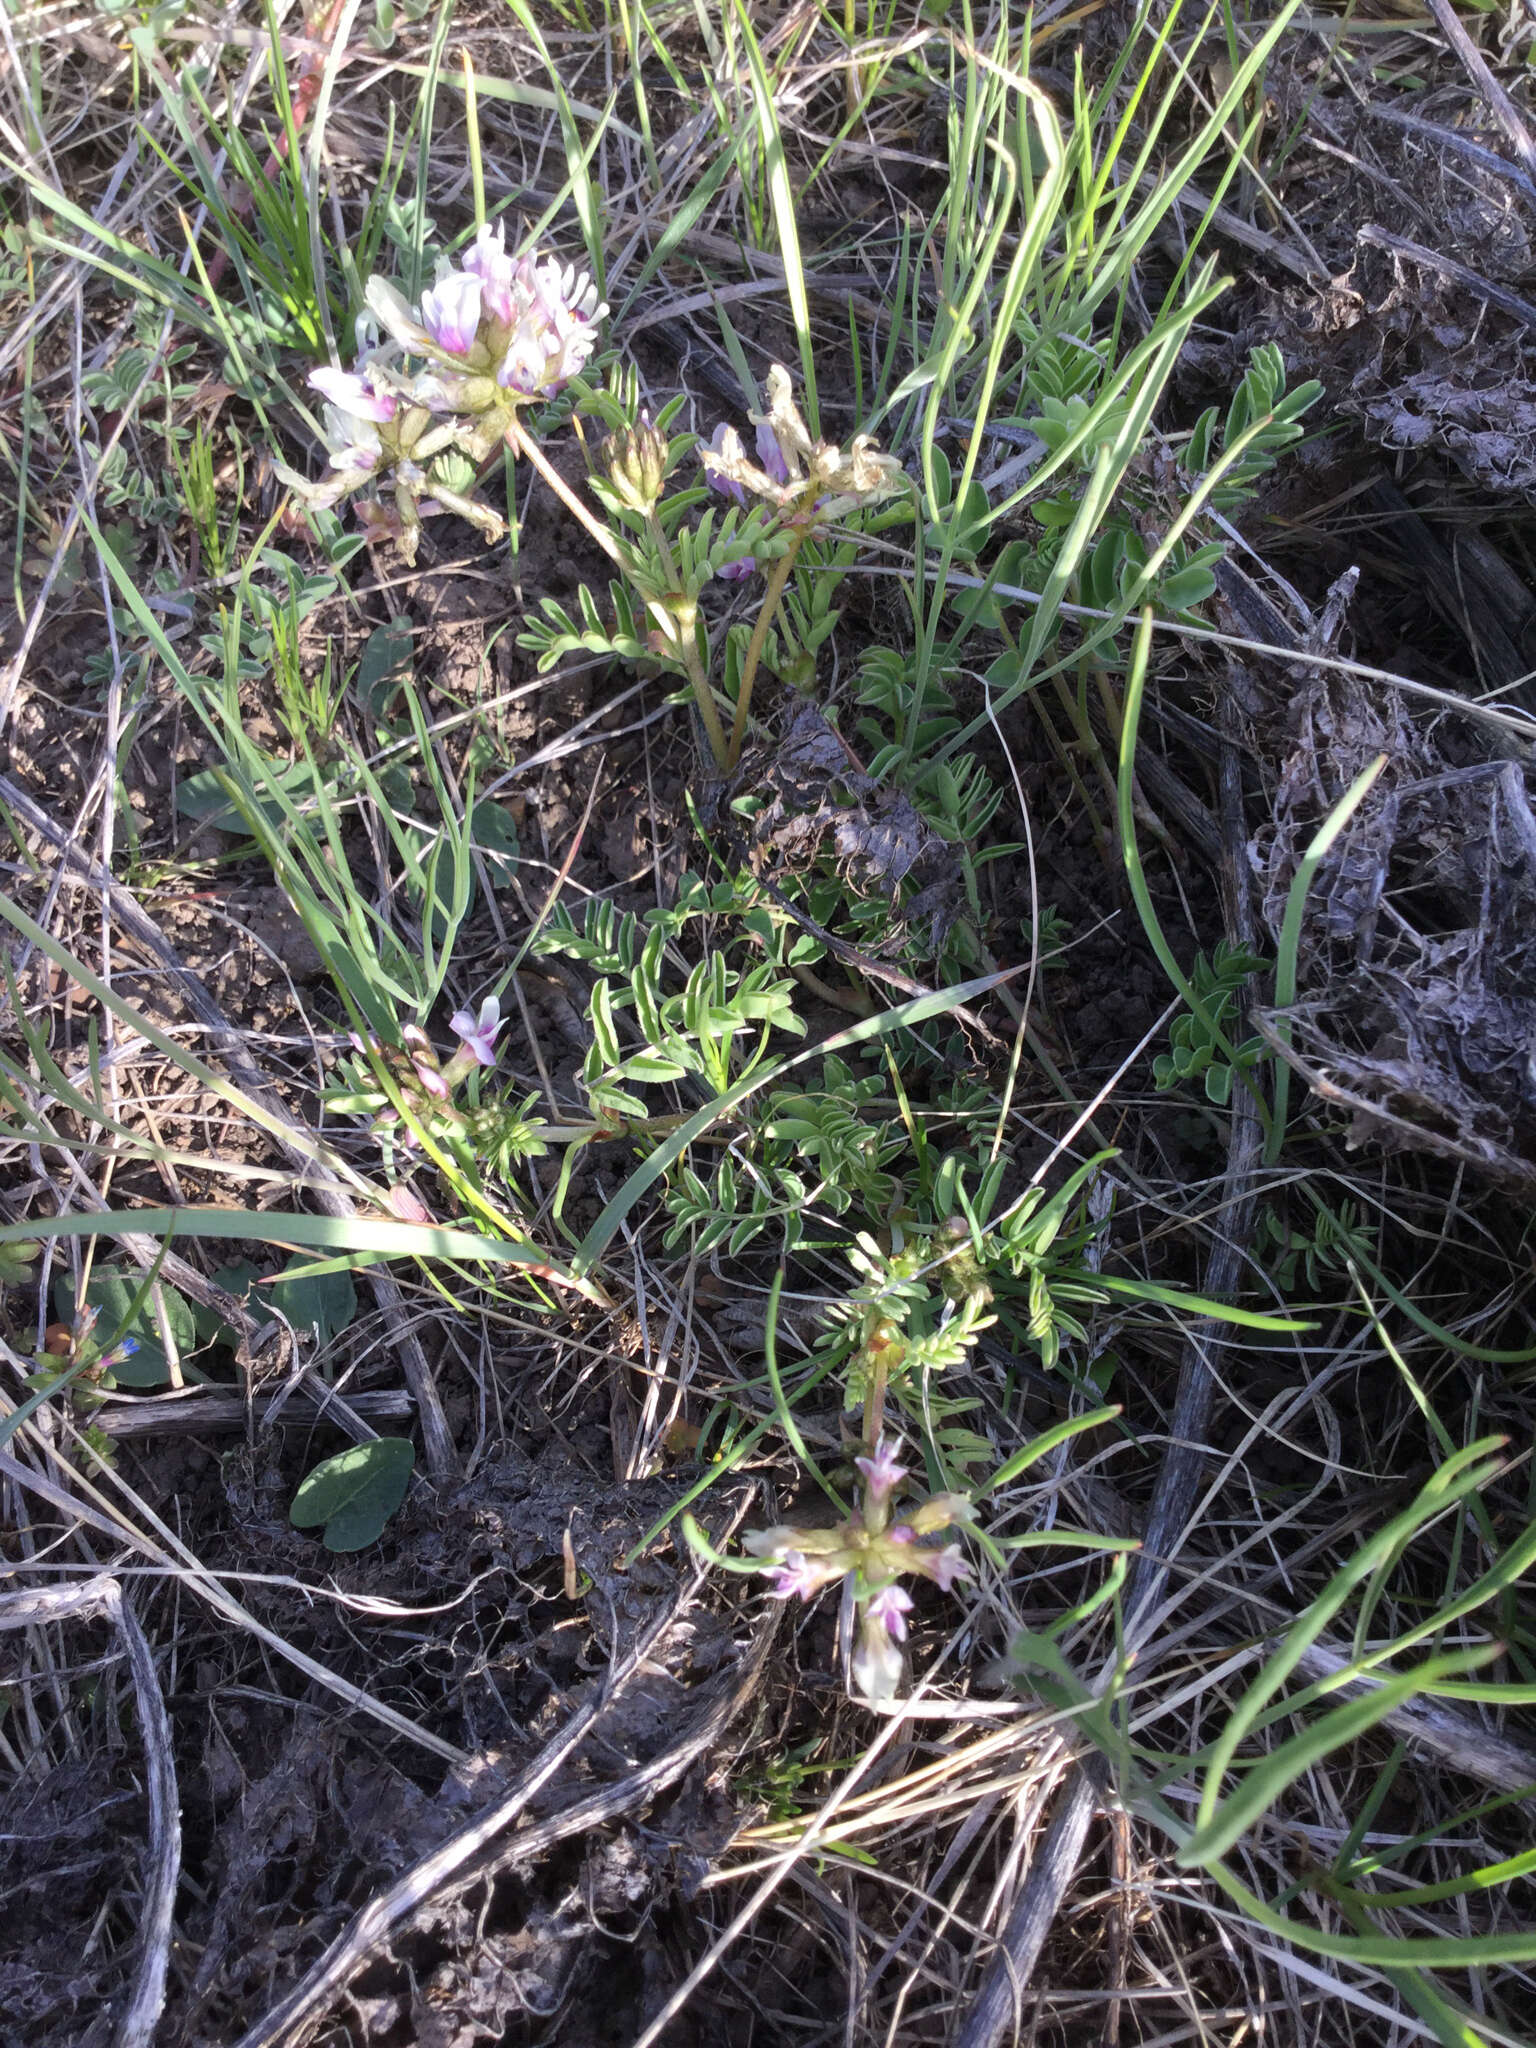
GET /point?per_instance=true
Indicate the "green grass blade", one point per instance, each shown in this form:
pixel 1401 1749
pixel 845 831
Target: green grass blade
pixel 381 1237
pixel 1290 936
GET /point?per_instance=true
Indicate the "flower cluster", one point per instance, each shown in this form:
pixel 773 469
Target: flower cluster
pixel 447 380
pixel 418 1100
pixel 875 1551
pixel 806 481
pixel 425 1084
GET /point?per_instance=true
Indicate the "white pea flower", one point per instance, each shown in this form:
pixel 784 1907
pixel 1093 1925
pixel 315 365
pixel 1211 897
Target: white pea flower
pixel 450 312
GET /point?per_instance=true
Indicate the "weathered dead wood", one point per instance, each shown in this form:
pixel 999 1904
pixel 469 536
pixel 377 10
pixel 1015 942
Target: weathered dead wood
pixel 194 1410
pixel 1456 273
pixel 1473 62
pixel 1455 139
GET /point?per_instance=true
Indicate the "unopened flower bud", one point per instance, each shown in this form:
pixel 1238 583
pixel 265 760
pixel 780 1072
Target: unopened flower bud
pixel 882 1472
pixel 961 1274
pixel 940 1511
pixel 410 428
pixel 876 1668
pixel 636 462
pixel 888 1609
pixel 883 1340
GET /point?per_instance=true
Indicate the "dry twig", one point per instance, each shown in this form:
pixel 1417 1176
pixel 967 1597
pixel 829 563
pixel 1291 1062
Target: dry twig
pixel 1473 62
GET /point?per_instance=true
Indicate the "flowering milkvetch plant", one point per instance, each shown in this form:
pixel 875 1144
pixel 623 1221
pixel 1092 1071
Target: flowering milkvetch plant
pixel 444 385
pixel 438 386
pixel 408 1094
pixel 872 1550
pixel 804 483
pixel 795 488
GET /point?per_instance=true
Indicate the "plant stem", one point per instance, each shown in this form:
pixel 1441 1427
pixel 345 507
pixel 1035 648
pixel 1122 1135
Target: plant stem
pixel 522 444
pixel 688 645
pixel 874 1404
pixel 663 547
pixel 780 575
pixel 725 756
pixel 472 129
pixel 683 619
pixel 841 999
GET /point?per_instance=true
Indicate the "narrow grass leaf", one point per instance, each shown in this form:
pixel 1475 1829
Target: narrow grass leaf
pixel 1289 947
pixel 378 1235
pixel 1265 1783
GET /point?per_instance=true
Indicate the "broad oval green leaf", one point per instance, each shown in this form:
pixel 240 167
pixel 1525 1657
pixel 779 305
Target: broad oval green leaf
pixel 112 1292
pixel 354 1494
pixel 322 1303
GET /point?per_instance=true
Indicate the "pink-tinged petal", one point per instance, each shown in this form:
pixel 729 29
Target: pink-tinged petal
pixel 882 1470
pixel 497 271
pixel 876 1665
pixel 725 441
pixel 794 1576
pixel 405 1203
pixel 354 394
pixel 552 320
pixel 888 1609
pixel 357 462
pixel 424 1061
pixel 450 312
pixel 387 306
pixel 945 1567
pixel 525 365
pixel 379 522
pixel 430 391
pixel 479 1031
